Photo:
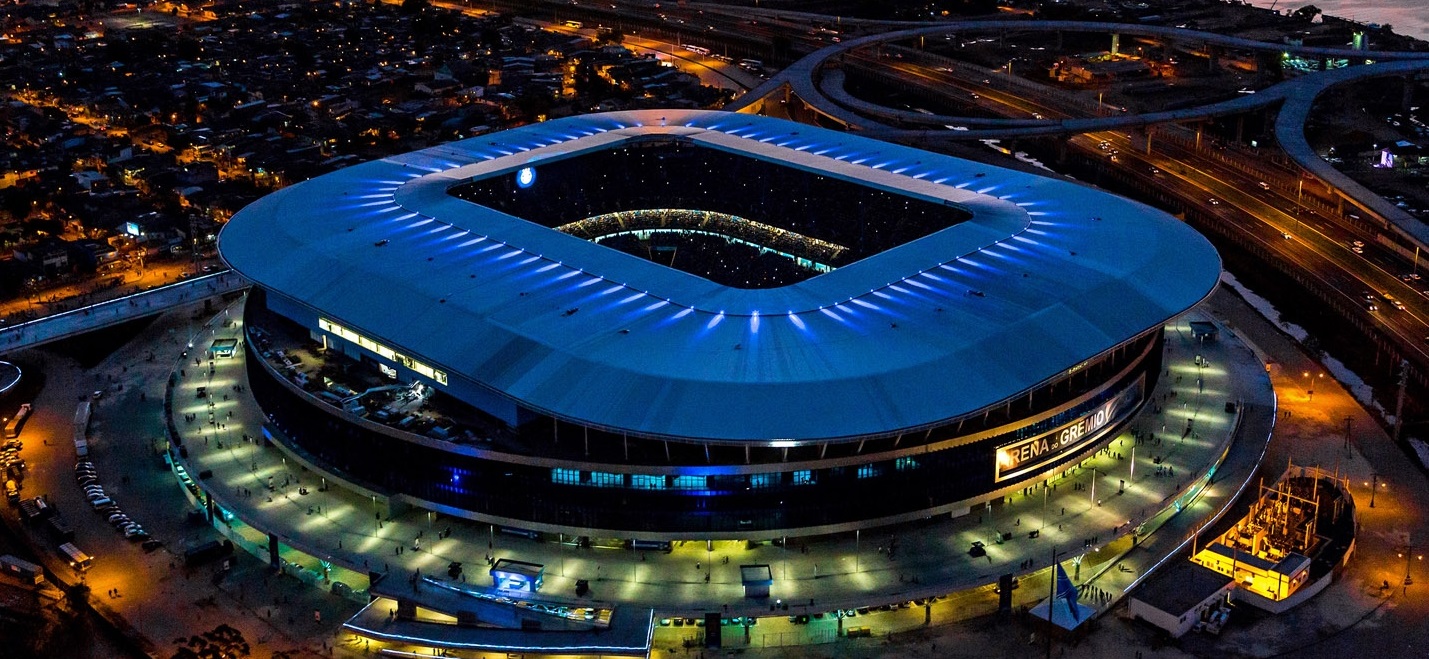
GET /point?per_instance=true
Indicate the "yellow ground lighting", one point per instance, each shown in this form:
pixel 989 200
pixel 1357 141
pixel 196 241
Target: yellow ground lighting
pixel 866 580
pixel 428 615
pixel 314 523
pixel 370 543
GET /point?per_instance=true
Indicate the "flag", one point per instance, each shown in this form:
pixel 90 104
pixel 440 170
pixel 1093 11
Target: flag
pixel 1067 591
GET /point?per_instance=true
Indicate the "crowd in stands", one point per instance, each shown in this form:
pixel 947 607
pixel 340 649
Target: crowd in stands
pixel 670 174
pixel 822 253
pixel 713 257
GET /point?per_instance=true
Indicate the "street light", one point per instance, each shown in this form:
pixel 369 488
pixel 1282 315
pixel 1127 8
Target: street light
pixel 1310 385
pixel 1408 555
pixel 1374 487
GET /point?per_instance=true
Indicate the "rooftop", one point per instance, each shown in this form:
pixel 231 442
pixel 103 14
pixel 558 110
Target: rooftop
pixel 1051 271
pixel 1181 585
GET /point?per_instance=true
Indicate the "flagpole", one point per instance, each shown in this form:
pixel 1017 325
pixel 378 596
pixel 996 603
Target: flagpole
pixel 1051 598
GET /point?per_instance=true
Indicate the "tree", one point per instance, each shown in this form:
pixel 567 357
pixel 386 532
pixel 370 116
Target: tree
pixel 303 58
pixel 779 46
pixel 534 103
pixel 41 227
pixel 221 642
pixel 18 201
pixel 1306 13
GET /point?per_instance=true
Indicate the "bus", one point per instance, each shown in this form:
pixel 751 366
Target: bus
pixel 78 560
pixel 575 25
pixel 698 50
pixel 12 429
pixel 81 430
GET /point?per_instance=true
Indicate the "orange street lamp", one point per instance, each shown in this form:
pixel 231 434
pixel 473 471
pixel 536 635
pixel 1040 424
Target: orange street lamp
pixel 1310 385
pixel 1408 554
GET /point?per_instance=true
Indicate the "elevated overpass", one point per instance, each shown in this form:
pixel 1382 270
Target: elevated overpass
pixel 822 90
pixel 113 312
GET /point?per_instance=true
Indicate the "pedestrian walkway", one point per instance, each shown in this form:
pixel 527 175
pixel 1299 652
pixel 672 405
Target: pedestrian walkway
pixel 113 312
pixel 323 527
pixel 151 597
pixel 326 536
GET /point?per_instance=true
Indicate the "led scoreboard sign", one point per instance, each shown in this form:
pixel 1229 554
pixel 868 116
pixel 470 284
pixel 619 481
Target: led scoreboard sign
pixel 1029 454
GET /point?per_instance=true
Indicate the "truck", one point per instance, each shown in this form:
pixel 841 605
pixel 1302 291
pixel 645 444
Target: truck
pixel 76 557
pixel 35 510
pixel 81 430
pixel 207 551
pixel 12 429
pixel 22 569
pixel 59 528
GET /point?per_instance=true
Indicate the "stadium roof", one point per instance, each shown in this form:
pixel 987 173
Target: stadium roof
pixel 1046 275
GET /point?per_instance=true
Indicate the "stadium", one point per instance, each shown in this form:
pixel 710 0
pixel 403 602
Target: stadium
pixel 669 325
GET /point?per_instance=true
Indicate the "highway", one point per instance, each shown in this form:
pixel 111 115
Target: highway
pixel 1344 255
pixel 1275 219
pixel 808 78
pixel 1321 241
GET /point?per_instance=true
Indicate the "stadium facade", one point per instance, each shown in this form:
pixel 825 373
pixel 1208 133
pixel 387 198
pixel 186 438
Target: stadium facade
pixel 673 324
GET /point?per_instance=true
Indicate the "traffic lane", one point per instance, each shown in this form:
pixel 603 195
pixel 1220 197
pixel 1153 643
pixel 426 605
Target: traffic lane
pixel 1363 272
pixel 711 72
pixel 1344 231
pixel 1248 199
pixel 978 95
pixel 1326 260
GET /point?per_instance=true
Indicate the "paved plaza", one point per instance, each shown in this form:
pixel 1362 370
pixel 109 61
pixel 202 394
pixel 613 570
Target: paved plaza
pixel 328 537
pixel 160 600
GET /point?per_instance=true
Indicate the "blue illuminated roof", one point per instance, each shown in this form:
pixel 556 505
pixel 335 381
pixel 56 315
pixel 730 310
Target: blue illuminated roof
pixel 1045 275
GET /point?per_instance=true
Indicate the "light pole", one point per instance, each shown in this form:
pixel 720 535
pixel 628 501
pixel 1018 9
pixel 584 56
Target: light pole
pixel 1374 487
pixel 857 541
pixel 1043 525
pixel 1310 386
pixel 1409 555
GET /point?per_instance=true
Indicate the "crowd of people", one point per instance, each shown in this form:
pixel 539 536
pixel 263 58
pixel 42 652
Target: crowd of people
pixel 716 258
pixel 823 255
pixel 832 217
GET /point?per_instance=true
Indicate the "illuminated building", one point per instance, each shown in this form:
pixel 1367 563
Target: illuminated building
pixel 974 330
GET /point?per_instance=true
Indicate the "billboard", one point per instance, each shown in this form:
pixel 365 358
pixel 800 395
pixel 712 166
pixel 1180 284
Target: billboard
pixel 1032 453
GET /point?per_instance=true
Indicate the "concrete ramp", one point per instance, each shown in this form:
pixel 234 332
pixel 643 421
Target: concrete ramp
pixel 113 312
